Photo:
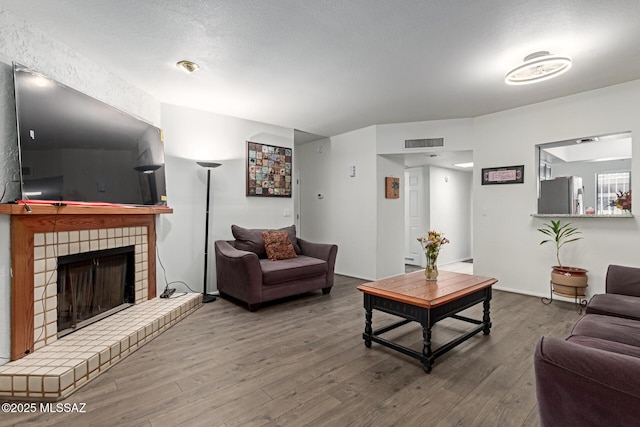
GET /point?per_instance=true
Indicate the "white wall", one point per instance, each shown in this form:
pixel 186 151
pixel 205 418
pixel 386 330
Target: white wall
pixel 450 211
pixel 316 214
pixel 192 135
pixel 22 43
pixel 347 214
pixel 506 240
pixel 390 219
pixel 457 134
pixel 354 213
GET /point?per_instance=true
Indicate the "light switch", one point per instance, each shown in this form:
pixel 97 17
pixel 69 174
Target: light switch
pixel 352 170
pixel 287 212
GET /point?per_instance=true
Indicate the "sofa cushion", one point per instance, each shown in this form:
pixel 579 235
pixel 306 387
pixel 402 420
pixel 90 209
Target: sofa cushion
pixel 278 245
pixel 623 280
pixel 606 345
pixel 615 305
pixel 275 272
pixel 250 239
pixel 618 329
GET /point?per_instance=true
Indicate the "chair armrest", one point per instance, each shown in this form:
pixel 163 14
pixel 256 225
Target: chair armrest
pixel 238 273
pixel 623 280
pixel 578 385
pixel 323 251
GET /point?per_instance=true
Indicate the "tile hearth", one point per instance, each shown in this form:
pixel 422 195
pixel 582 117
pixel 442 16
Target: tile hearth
pixel 57 370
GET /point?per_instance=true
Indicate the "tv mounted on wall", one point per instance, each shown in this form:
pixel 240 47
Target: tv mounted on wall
pixel 75 148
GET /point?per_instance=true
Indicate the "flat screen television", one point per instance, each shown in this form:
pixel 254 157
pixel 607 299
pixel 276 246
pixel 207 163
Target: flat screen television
pixel 75 148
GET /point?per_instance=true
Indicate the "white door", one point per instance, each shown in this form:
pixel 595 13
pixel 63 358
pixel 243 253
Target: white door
pixel 414 215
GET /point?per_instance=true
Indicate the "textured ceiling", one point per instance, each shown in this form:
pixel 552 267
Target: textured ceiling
pixel 330 66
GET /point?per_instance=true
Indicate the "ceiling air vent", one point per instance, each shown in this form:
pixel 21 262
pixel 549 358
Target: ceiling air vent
pixel 423 143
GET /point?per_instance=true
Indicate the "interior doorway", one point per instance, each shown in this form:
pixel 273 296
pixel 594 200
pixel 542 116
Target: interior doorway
pixel 415 215
pixel 438 197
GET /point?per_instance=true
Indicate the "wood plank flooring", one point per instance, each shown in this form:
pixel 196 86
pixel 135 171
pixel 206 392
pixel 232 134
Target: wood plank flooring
pixel 303 362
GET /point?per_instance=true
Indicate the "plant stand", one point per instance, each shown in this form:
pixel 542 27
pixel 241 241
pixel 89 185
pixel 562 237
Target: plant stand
pixel 568 282
pixel 578 295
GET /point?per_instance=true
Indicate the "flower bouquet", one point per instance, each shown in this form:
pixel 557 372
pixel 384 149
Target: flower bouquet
pixel 431 243
pixel 623 201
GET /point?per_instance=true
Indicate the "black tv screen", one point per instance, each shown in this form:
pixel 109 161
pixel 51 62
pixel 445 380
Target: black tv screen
pixel 78 149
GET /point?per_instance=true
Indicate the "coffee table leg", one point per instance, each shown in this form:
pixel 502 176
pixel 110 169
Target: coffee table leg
pixel 428 359
pixel 485 318
pixel 368 331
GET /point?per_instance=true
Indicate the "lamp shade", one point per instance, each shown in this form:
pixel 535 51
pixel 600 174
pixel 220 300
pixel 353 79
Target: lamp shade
pixel 209 164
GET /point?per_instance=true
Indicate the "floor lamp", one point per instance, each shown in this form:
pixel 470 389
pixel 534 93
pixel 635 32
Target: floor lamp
pixel 205 296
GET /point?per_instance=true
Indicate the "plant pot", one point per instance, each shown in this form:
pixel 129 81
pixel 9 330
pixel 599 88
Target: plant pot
pixel 569 282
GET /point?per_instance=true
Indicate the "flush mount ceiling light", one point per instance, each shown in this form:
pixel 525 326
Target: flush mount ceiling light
pixel 187 66
pixel 464 165
pixel 537 67
pixel 581 140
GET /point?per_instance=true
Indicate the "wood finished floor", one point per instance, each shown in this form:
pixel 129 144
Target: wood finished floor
pixel 303 362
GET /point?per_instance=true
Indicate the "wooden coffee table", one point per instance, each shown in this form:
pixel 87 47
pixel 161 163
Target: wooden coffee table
pixel 413 298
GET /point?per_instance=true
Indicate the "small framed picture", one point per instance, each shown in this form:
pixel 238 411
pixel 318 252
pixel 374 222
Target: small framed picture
pixel 392 187
pixel 503 175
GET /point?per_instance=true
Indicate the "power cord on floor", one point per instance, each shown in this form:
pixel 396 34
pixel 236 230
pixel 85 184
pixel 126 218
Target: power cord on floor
pixel 169 292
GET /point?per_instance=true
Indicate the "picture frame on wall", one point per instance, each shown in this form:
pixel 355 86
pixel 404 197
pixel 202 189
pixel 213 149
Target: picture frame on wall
pixel 503 175
pixel 392 188
pixel 269 170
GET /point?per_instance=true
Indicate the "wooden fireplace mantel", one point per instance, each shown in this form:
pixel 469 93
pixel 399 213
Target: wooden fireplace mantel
pixel 14 209
pixel 48 218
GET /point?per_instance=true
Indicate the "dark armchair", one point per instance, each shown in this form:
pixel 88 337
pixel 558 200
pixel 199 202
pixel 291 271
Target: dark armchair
pixel 245 273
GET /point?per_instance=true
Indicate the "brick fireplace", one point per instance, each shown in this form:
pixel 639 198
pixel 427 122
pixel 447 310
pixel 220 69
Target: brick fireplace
pixel 49 246
pixel 44 366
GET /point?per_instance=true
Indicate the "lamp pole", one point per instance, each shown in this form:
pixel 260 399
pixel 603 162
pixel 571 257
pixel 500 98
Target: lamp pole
pixel 205 296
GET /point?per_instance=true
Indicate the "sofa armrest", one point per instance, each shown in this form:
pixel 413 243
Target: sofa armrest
pixel 323 251
pixel 238 273
pixel 578 385
pixel 623 280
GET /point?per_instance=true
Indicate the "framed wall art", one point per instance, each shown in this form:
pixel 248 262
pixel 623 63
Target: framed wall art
pixel 268 170
pixel 503 175
pixel 391 188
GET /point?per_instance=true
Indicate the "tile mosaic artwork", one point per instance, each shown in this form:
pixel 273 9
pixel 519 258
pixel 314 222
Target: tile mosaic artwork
pixel 268 170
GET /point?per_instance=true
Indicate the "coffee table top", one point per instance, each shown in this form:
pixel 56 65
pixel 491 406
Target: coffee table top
pixel 414 289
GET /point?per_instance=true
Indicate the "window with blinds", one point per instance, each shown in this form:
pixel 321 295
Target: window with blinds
pixel 608 187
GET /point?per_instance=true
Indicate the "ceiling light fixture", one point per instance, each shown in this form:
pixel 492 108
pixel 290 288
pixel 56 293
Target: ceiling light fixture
pixel 464 165
pixel 187 66
pixel 581 140
pixel 537 67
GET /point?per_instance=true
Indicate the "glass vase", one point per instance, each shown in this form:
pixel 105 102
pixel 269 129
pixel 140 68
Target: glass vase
pixel 431 272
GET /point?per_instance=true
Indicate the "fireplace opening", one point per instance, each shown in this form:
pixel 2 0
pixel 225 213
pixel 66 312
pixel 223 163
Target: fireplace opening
pixel 94 285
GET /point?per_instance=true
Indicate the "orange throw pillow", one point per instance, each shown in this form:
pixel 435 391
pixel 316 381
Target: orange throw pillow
pixel 278 245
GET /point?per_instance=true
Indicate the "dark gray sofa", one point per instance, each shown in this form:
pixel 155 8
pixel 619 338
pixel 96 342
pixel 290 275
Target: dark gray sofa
pixel 244 272
pixel 593 377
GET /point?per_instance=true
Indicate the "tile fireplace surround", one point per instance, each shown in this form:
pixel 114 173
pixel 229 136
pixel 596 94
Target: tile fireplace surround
pixel 44 367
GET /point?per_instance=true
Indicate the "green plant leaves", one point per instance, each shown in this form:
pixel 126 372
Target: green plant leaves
pixel 560 234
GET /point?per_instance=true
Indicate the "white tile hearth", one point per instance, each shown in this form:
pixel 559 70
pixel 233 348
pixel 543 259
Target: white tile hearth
pixel 58 369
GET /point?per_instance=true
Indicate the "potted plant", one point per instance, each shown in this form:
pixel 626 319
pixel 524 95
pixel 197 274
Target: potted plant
pixel 566 281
